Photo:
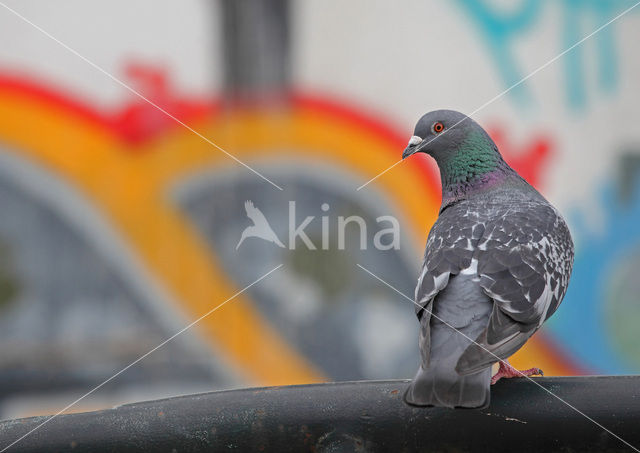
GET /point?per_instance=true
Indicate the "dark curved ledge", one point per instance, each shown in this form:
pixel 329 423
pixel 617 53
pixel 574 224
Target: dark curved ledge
pixel 352 416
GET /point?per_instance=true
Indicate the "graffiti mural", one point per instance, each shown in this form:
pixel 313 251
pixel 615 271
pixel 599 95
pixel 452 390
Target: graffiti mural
pixel 502 28
pixel 599 322
pixel 121 226
pixel 202 204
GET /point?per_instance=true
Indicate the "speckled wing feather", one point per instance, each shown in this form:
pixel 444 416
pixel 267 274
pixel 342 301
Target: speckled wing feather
pixel 522 255
pixel 450 247
pixel 524 263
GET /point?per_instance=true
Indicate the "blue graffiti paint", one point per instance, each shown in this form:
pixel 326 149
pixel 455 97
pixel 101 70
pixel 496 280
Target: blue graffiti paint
pixel 573 60
pixel 581 324
pixel 579 18
pixel 605 49
pixel 499 29
pixel 607 52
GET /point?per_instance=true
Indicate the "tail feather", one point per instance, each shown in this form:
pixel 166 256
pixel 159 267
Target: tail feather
pixel 433 387
pixel 460 312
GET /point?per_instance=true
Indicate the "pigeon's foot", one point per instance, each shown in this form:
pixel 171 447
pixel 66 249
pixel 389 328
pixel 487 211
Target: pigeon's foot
pixel 507 371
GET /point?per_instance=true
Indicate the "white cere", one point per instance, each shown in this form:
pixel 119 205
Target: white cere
pixel 415 140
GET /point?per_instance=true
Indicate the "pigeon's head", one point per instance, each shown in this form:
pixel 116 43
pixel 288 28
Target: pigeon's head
pixel 467 157
pixel 442 134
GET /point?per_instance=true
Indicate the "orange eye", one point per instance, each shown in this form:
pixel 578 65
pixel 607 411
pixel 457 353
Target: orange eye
pixel 437 127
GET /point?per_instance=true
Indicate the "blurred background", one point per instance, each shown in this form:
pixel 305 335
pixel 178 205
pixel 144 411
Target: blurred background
pixel 120 225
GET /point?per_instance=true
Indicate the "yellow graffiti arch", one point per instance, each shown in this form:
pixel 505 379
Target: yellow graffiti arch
pixel 130 187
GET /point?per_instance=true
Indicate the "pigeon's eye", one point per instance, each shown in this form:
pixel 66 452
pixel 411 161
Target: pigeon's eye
pixel 438 127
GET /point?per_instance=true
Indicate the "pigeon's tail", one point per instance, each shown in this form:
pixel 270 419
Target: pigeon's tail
pixel 434 387
pixel 437 382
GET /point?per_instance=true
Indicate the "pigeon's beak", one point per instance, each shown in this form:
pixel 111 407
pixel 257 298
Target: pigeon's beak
pixel 413 146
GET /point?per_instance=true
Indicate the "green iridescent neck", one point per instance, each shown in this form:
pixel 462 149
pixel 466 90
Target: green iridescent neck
pixel 474 166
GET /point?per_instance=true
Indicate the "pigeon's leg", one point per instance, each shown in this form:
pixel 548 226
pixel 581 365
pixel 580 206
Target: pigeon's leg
pixel 507 371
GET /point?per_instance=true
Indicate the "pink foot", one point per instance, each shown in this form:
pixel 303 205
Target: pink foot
pixel 507 371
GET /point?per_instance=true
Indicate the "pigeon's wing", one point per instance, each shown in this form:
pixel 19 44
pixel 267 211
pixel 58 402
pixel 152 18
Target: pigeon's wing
pixel 449 250
pixel 524 262
pixel 255 214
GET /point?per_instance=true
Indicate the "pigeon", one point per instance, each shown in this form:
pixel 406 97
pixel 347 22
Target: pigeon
pixel 260 228
pixel 496 266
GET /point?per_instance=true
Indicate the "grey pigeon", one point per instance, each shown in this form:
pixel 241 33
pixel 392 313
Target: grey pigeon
pixel 496 266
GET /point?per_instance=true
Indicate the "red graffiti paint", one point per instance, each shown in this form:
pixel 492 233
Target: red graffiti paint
pixel 528 159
